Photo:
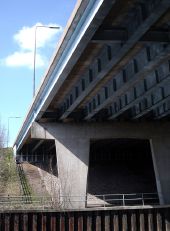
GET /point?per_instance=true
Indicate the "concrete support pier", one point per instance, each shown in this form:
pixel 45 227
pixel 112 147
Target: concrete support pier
pixel 73 147
pixel 161 159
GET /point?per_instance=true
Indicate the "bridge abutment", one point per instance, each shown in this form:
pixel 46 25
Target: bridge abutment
pixel 72 142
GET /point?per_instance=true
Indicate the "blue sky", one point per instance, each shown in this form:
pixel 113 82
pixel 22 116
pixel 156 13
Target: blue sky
pixel 17 24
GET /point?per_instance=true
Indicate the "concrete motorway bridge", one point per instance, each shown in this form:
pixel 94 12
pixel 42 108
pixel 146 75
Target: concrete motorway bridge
pixel 101 114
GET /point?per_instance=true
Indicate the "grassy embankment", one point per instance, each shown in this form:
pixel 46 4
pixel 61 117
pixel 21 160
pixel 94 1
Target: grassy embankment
pixel 9 181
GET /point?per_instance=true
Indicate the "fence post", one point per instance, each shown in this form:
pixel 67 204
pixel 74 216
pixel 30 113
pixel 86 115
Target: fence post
pixel 143 203
pixel 86 200
pixel 123 200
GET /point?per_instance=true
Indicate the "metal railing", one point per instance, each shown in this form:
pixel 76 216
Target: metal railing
pixel 63 202
pixel 123 199
pixel 23 181
pixel 33 202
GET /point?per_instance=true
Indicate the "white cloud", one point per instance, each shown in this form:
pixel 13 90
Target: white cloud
pixel 21 58
pixel 25 38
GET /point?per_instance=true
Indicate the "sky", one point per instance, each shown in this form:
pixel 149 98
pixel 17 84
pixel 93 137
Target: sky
pixel 18 22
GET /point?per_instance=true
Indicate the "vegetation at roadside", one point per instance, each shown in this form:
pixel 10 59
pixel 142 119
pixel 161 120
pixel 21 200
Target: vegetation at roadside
pixel 9 181
pixel 3 137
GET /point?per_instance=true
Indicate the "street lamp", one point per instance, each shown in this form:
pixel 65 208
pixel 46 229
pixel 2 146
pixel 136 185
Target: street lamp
pixel 11 117
pixel 35 46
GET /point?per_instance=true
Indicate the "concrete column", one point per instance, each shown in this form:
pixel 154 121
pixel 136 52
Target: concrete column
pixel 161 160
pixel 72 162
pixel 72 151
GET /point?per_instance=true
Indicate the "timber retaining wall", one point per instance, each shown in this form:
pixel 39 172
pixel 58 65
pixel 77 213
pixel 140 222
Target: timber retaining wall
pixel 142 219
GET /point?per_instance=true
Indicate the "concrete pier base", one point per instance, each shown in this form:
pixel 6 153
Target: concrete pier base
pixel 72 149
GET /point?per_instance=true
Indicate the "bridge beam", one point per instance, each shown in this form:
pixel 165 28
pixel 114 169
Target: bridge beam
pixel 37 145
pixel 140 98
pixel 162 111
pixel 149 109
pixel 136 78
pixel 116 35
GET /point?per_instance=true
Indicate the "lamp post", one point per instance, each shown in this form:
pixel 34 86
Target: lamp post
pixel 11 117
pixel 35 47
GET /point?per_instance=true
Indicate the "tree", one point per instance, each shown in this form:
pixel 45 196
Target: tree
pixel 2 136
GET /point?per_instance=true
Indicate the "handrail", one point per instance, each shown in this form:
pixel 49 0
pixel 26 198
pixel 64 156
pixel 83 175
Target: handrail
pixel 123 199
pixel 25 188
pixel 90 200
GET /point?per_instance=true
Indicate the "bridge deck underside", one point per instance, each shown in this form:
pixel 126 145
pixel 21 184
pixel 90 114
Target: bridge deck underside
pixel 124 72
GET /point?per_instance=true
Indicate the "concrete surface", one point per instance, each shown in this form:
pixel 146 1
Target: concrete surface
pixel 72 150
